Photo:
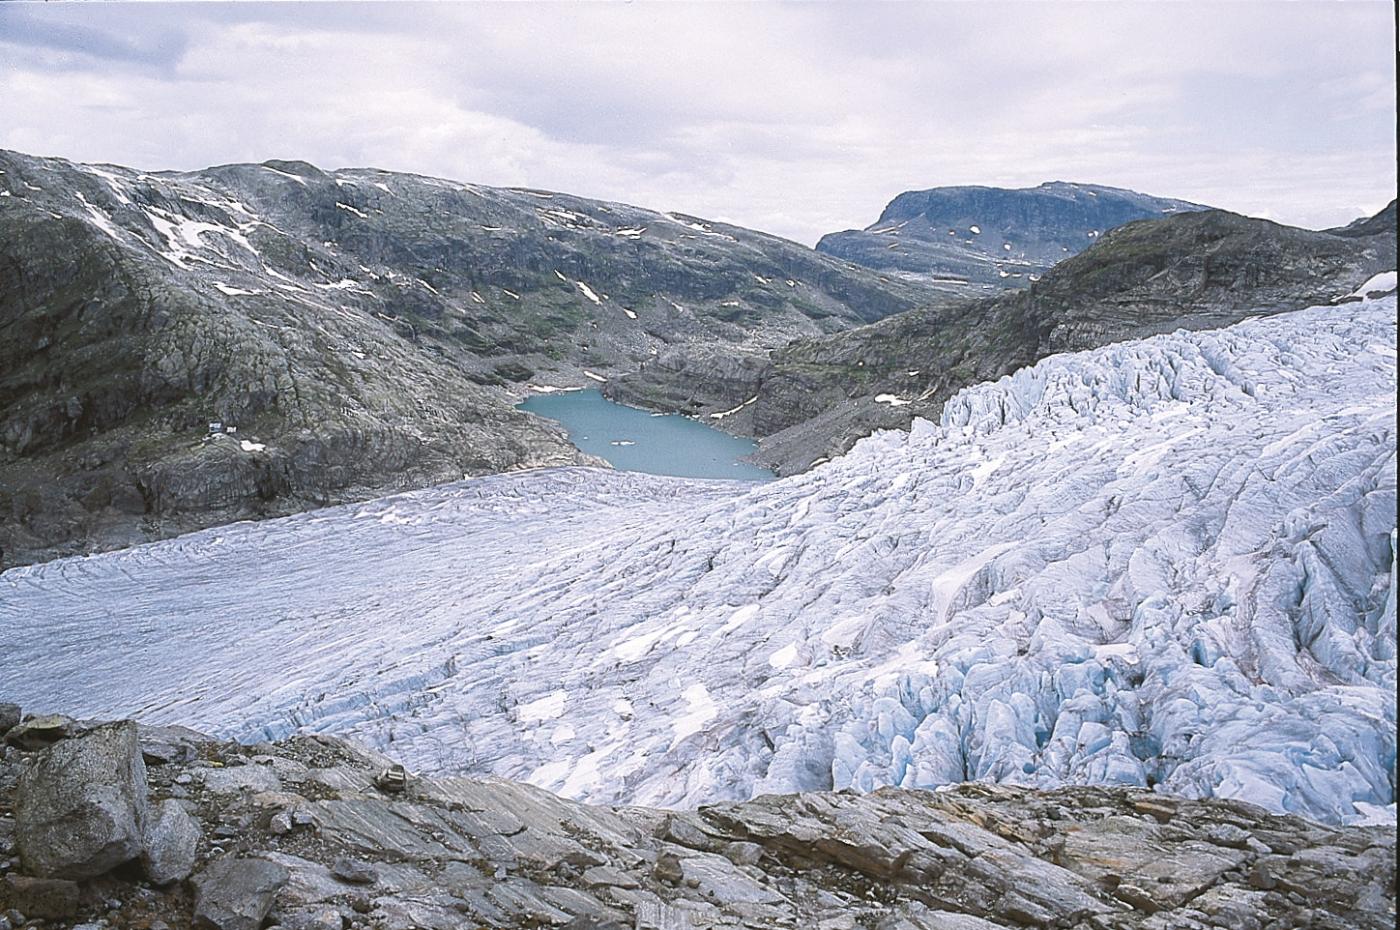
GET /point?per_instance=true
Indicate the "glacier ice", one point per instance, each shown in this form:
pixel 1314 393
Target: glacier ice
pixel 1166 562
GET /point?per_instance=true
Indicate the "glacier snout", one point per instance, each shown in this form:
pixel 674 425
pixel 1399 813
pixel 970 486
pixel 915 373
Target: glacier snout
pixel 1168 562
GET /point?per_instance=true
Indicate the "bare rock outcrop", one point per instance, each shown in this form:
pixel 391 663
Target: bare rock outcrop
pixel 312 843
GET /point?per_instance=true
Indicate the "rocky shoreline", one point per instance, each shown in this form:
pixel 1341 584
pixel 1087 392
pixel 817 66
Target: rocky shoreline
pixel 121 826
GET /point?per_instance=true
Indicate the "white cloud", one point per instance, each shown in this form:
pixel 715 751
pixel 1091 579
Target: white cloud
pixel 795 119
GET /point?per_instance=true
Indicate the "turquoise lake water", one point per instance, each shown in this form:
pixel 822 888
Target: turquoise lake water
pixel 637 440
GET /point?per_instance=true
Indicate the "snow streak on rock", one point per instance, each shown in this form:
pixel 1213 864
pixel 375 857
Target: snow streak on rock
pixel 1168 562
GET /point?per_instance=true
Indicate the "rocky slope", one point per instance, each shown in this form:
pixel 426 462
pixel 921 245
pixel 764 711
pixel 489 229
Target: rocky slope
pixel 974 241
pixel 363 332
pixel 127 827
pixel 810 400
pixel 1165 563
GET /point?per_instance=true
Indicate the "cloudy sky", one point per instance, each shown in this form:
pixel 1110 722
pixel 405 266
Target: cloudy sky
pixel 798 119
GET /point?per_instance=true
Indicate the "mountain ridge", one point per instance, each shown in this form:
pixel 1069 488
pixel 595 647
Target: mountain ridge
pixel 811 399
pixel 979 239
pixel 363 331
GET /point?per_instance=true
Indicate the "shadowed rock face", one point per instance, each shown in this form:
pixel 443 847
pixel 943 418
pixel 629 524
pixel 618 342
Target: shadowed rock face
pixel 317 845
pixel 973 241
pixel 813 398
pixel 364 332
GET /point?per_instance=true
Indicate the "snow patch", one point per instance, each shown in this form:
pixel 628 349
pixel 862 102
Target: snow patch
pixel 1382 283
pixel 701 710
pixel 784 656
pixel 733 410
pixel 113 181
pixel 99 219
pixel 546 708
pixel 298 179
pixel 233 291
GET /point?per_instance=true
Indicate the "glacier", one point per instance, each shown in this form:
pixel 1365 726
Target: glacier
pixel 1169 562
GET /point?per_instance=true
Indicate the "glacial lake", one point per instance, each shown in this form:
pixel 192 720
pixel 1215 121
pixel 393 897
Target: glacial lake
pixel 638 440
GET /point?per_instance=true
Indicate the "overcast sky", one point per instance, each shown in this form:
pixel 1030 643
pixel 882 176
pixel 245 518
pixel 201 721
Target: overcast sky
pixel 798 119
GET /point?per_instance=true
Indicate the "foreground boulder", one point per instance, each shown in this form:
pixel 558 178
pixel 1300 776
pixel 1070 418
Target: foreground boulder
pixel 81 806
pixel 236 894
pixel 171 843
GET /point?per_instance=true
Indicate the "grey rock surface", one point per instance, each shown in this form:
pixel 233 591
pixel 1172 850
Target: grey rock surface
pixel 240 778
pixel 236 894
pixel 80 808
pixel 163 745
pixel 460 852
pixel 171 843
pixel 354 871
